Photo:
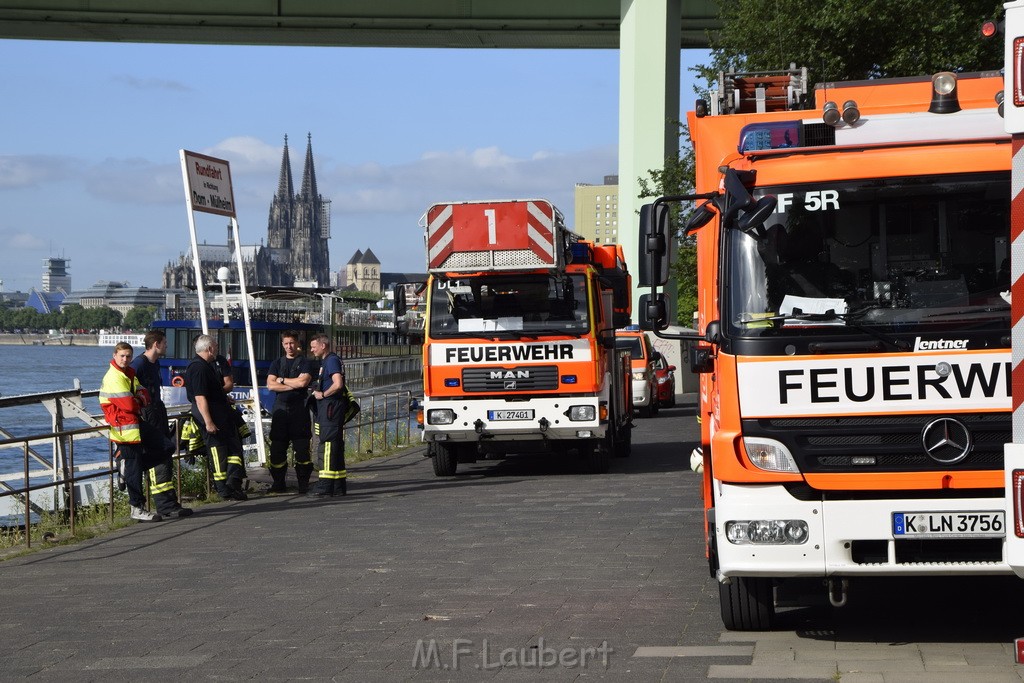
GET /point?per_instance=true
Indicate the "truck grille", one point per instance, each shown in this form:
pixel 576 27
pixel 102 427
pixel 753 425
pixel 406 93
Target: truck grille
pixel 503 380
pixel 828 445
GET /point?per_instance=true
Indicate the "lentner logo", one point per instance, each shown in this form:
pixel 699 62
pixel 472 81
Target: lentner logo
pixel 939 344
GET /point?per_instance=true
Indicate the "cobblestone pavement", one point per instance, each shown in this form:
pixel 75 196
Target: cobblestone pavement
pixel 524 568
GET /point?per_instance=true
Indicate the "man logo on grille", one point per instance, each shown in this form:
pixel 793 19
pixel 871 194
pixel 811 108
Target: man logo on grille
pixel 946 440
pixel 510 385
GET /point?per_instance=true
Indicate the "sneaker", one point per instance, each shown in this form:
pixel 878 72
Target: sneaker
pixel 145 515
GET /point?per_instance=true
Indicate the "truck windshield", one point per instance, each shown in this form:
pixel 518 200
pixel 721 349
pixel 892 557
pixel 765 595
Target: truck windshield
pixel 515 305
pixel 912 254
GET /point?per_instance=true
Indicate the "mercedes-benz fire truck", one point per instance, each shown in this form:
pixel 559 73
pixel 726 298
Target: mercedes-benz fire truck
pixel 854 351
pixel 519 347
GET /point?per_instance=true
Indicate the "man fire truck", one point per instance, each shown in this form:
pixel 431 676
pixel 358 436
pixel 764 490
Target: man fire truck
pixel 519 348
pixel 854 319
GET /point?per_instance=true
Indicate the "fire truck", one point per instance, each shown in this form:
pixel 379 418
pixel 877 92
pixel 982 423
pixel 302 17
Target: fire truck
pixel 853 330
pixel 519 347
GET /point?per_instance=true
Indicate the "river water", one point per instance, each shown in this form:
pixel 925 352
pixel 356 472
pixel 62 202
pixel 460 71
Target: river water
pixel 33 369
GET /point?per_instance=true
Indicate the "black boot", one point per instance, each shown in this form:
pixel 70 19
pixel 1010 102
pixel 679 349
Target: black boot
pixel 278 474
pixel 302 473
pixel 323 489
pixel 342 486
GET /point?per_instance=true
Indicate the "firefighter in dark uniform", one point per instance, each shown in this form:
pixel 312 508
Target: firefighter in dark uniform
pixel 288 378
pixel 213 414
pixel 331 405
pixel 154 421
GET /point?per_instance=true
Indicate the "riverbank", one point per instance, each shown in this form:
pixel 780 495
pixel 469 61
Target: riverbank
pixel 7 339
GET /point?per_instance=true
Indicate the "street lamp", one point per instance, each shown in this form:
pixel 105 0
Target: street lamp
pixel 222 274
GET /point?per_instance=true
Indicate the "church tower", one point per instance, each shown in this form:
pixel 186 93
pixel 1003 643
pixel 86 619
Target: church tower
pixel 282 207
pixel 310 255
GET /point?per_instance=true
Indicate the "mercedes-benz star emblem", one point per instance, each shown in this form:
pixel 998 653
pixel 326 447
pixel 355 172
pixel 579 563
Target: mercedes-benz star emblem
pixel 946 440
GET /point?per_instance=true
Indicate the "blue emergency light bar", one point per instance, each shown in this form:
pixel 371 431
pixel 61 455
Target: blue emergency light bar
pixel 777 135
pixel 580 252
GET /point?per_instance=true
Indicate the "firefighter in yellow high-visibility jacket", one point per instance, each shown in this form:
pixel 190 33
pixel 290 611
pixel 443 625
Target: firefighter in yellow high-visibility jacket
pixel 122 398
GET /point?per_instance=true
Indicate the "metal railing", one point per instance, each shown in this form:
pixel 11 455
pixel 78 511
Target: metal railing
pixel 383 423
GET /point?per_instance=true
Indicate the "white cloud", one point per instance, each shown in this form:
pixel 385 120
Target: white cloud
pixel 21 241
pixel 33 170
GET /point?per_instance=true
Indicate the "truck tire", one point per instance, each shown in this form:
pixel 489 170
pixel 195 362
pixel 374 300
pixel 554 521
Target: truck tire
pixel 624 444
pixel 747 603
pixel 445 459
pixel 595 456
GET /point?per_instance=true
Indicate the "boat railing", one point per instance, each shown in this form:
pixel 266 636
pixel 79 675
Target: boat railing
pixel 61 484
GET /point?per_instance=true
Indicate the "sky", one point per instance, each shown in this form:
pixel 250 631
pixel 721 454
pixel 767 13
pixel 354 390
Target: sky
pixel 90 133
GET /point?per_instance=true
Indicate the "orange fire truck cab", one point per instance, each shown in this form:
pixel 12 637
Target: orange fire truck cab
pixel 519 345
pixel 854 344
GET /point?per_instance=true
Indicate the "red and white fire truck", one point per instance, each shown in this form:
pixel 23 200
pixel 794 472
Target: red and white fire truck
pixel 854 330
pixel 519 347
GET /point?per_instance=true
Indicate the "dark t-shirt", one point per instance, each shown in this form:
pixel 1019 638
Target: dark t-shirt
pixel 149 376
pixel 289 368
pixel 330 365
pixel 201 379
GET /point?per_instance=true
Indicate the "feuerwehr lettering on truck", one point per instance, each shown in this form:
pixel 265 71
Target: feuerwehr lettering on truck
pixel 894 383
pixel 509 352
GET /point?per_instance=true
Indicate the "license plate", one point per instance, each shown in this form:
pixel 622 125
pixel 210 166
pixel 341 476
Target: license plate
pixel 984 524
pixel 496 415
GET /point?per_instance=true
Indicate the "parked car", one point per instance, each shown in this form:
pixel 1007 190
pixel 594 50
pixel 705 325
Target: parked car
pixel 665 378
pixel 645 387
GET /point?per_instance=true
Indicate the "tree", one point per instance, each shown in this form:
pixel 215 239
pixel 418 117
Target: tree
pixel 841 41
pixel 140 317
pixel 837 41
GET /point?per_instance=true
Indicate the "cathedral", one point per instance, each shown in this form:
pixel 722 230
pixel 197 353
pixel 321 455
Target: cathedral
pixel 296 252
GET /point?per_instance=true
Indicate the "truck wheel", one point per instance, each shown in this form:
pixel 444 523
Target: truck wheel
pixel 445 460
pixel 595 455
pixel 624 444
pixel 747 603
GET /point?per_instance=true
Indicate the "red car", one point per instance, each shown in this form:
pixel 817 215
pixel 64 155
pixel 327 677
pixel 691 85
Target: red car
pixel 665 375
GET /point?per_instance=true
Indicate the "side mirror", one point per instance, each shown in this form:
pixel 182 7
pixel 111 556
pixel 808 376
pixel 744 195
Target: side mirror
pixel 653 312
pixel 699 218
pixel 400 305
pixel 654 253
pixel 754 218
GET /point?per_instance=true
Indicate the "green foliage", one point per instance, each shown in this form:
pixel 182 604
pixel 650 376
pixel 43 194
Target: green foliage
pixel 840 41
pixel 140 317
pixel 359 296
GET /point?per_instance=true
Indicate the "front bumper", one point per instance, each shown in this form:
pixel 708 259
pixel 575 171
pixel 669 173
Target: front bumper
pixel 549 421
pixel 850 537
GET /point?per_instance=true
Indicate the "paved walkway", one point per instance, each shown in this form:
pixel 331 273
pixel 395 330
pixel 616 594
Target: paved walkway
pixel 524 569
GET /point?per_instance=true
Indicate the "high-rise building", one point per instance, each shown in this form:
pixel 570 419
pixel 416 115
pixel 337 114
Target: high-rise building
pixel 597 211
pixel 55 275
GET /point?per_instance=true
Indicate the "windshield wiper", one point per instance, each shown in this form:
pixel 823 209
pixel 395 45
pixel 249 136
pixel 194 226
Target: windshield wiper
pixel 831 316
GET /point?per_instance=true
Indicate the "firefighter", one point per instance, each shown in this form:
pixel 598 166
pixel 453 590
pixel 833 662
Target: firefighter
pixel 331 407
pixel 122 398
pixel 154 423
pixel 213 414
pixel 288 378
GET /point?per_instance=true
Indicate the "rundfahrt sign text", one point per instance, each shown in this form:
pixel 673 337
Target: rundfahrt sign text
pixel 209 183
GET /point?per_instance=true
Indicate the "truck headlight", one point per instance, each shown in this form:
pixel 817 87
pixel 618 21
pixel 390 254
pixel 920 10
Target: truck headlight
pixel 766 532
pixel 582 413
pixel 769 455
pixel 440 416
